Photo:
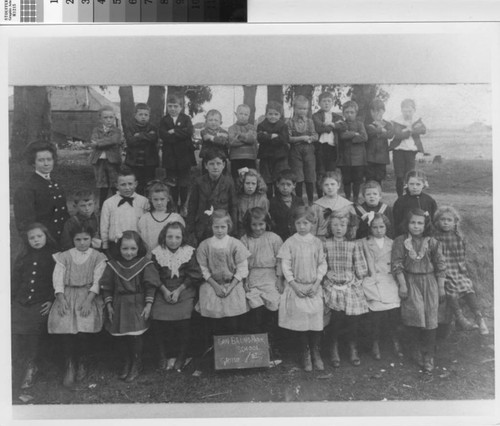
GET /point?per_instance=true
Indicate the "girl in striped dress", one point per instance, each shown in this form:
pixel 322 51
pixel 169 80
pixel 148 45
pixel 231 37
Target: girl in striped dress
pixel 343 290
pixel 78 309
pixel 457 283
pixel 420 268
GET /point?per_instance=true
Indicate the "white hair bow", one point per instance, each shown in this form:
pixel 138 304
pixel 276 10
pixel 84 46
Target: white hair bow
pixel 368 217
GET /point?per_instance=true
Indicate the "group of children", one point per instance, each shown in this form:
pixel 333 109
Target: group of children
pixel 243 261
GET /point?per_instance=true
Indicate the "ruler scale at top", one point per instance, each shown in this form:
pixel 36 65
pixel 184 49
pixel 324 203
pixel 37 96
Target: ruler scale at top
pixel 119 11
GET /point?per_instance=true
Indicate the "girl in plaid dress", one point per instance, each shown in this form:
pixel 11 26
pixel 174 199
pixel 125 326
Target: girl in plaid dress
pixel 342 287
pixel 457 283
pixel 301 306
pixel 420 268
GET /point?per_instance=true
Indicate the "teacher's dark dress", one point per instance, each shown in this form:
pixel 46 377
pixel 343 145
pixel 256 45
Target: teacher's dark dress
pixel 40 200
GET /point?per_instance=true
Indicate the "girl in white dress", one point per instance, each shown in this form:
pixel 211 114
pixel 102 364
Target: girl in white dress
pixel 151 223
pixel 380 287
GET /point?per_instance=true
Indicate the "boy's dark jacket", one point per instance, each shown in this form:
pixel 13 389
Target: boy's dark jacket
pixel 377 147
pixel 109 141
pixel 276 147
pixel 281 215
pixel 400 134
pixel 352 150
pixel 204 196
pixel 319 124
pixel 178 149
pixel 142 150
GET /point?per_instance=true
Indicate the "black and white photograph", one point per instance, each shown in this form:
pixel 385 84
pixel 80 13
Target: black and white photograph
pixel 232 222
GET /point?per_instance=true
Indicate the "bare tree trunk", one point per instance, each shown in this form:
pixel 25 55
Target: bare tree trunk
pixel 249 93
pixel 275 93
pixel 363 94
pixel 31 118
pixel 127 106
pixel 156 101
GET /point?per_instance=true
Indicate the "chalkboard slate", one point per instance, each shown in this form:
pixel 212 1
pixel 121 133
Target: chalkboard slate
pixel 241 351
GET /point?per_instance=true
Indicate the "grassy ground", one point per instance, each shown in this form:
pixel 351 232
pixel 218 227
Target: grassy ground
pixel 465 361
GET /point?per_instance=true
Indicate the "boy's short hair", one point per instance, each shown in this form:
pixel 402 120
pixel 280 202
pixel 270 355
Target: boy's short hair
pixel 79 228
pixel 214 112
pixel 408 103
pixel 286 174
pixel 306 212
pixel 142 106
pixel 371 184
pixel 162 237
pixel 324 95
pixel 34 148
pixel 126 171
pixel 106 108
pixel 333 174
pixel 83 195
pixel 175 99
pixel 275 106
pixel 377 104
pixel 350 104
pixel 212 153
pixel 222 214
pixel 241 106
pixel 300 100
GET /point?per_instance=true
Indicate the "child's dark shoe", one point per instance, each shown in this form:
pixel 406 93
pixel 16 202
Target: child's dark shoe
pixel 463 323
pixel 135 369
pixel 126 368
pixel 29 376
pixel 483 328
pixel 397 348
pixel 428 363
pixel 81 371
pixel 316 359
pixel 417 356
pixel 354 357
pixel 334 355
pixel 376 350
pixel 306 360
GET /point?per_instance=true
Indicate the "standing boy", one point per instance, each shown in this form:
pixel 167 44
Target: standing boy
pixel 301 157
pixel 283 203
pixel 176 131
pixel 406 143
pixel 274 144
pixel 142 147
pixel 377 147
pixel 122 211
pixel 242 142
pixel 106 141
pixel 328 125
pixel 352 152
